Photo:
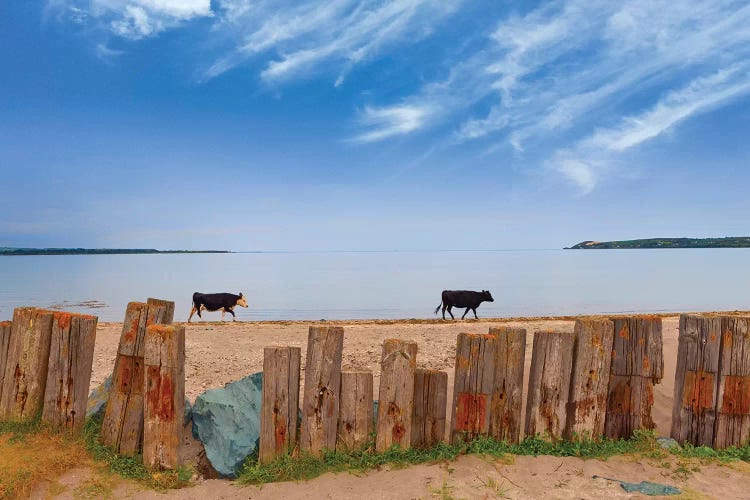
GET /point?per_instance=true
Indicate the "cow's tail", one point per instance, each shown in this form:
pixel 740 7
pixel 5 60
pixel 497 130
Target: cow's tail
pixel 438 307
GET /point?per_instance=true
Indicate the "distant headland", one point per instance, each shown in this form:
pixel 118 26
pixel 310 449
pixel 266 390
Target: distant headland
pixel 11 251
pixel 728 242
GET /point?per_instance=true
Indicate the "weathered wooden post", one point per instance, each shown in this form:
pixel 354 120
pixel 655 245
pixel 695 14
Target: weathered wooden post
pixel 320 408
pixel 168 309
pixel 122 427
pixel 355 413
pixel 164 410
pixel 26 364
pixel 473 385
pixel 278 416
pixel 589 385
pixel 69 370
pixel 549 384
pixel 637 364
pixel 430 404
pixel 5 328
pixel 733 398
pixel 506 404
pixel 396 396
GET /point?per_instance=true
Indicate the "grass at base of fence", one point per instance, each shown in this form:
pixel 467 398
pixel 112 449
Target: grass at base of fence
pixel 31 452
pixel 131 467
pixel 302 466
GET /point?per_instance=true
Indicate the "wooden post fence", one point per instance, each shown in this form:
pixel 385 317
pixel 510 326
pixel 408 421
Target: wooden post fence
pixel 26 364
pixel 5 328
pixel 506 404
pixel 396 396
pixel 278 416
pixel 589 384
pixel 320 409
pixel 122 427
pixel 733 397
pixel 637 364
pixel 430 403
pixel 712 381
pixel 355 412
pixel 69 370
pixel 164 409
pixel 168 309
pixel 549 384
pixel 473 385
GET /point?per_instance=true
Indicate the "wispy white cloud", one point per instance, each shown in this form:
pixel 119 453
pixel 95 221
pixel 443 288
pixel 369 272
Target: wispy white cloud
pixel 589 159
pixel 308 36
pixel 132 19
pixel 105 53
pixel 391 121
pixel 572 83
pixel 555 79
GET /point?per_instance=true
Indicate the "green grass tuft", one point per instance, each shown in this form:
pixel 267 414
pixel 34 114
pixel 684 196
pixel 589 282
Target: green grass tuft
pixel 304 466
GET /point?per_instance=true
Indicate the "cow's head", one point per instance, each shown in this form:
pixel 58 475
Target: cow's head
pixel 486 296
pixel 242 301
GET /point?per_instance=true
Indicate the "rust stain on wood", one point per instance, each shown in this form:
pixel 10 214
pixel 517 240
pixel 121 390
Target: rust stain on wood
pixel 728 339
pixel 159 396
pixel 699 391
pixel 621 395
pixel 398 433
pixel 736 400
pixel 471 410
pixel 62 319
pixel 131 332
pixel 624 331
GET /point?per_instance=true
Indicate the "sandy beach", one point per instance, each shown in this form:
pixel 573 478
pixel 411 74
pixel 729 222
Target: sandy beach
pixel 218 353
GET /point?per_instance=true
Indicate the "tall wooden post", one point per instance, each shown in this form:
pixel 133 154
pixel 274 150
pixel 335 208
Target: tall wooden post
pixel 278 412
pixel 168 309
pixel 549 384
pixel 430 404
pixel 473 385
pixel 69 370
pixel 637 364
pixel 122 427
pixel 164 361
pixel 506 404
pixel 592 355
pixel 26 365
pixel 396 397
pixel 733 398
pixel 5 328
pixel 320 409
pixel 355 413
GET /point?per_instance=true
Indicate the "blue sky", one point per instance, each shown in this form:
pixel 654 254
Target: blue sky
pixel 409 124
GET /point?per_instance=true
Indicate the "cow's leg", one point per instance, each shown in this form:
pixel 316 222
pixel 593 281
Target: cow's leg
pixel 475 312
pixel 467 310
pixel 445 306
pixel 222 314
pixel 451 312
pixel 230 311
pixel 192 311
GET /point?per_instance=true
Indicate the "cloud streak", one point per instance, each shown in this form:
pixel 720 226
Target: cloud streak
pixel 563 73
pixel 573 84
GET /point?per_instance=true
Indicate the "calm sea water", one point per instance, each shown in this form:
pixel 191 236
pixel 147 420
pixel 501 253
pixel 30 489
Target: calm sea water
pixel 360 285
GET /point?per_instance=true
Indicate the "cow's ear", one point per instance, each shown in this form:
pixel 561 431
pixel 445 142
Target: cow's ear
pixel 240 294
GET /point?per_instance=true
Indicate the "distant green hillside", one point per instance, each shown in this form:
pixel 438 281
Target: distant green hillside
pixel 729 242
pixel 10 251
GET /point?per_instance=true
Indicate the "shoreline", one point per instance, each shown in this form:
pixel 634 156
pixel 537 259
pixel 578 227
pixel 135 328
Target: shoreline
pixel 439 321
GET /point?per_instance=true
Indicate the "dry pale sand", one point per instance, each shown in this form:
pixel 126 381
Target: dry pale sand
pixel 218 353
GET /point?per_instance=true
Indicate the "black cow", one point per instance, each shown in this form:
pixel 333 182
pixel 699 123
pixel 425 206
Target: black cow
pixel 215 301
pixel 463 298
